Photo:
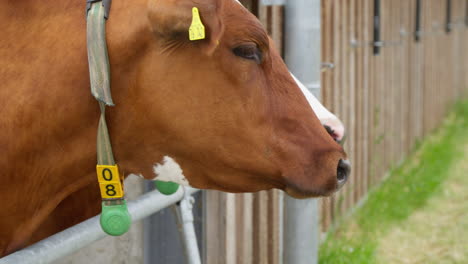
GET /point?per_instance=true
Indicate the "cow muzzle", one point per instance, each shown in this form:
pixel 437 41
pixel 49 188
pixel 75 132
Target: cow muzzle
pixel 343 172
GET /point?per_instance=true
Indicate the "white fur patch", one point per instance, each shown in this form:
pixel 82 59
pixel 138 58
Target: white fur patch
pixel 325 116
pixel 319 109
pixel 171 171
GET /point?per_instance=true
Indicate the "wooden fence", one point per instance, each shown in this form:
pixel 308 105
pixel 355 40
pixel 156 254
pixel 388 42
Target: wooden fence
pixel 388 91
pixel 391 99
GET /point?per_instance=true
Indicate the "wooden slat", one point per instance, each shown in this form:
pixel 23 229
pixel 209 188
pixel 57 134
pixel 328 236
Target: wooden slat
pixel 327 86
pixel 246 235
pixel 215 243
pixel 274 227
pixel 231 229
pixel 344 86
pixel 358 168
pixel 351 104
pixel 335 79
pixel 366 71
pixel 261 228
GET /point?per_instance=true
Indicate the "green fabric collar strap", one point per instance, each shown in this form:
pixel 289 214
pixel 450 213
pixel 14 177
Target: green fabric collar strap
pixel 105 3
pixel 99 72
pixel 105 155
pixel 115 219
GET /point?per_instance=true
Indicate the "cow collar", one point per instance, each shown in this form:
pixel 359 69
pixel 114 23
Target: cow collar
pixel 115 219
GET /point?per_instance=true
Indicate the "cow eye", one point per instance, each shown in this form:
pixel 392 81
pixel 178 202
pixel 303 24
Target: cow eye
pixel 250 52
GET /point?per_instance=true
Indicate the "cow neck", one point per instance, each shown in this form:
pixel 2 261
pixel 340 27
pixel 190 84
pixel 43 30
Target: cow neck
pixel 115 219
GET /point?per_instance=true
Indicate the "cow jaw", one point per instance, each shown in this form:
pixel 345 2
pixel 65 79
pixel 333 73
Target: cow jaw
pixel 170 171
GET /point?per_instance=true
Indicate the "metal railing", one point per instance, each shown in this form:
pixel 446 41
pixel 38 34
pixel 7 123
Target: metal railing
pixel 81 235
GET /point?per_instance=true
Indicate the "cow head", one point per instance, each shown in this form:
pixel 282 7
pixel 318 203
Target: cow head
pixel 220 113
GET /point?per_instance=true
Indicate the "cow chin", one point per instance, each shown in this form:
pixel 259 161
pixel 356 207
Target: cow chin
pixel 310 183
pixel 299 192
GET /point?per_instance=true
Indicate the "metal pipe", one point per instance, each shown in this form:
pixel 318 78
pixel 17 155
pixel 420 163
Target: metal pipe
pixel 189 237
pixel 302 54
pixel 81 235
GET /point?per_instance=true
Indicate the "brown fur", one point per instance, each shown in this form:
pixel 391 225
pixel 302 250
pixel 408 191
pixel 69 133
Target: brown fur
pixel 231 124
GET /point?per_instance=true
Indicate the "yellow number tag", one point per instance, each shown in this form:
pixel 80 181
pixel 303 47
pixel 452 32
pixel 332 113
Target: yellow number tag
pixel 109 181
pixel 196 30
pixel 107 173
pixel 111 190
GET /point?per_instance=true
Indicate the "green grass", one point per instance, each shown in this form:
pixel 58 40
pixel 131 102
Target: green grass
pixel 437 233
pixel 407 189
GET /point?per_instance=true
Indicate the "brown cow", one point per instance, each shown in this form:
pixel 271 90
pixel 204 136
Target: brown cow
pixel 225 109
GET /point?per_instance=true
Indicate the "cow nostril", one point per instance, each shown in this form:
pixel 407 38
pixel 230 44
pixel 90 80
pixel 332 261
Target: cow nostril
pixel 343 171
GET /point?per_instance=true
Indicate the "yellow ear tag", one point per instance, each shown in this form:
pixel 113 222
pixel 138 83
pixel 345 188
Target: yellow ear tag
pixel 196 30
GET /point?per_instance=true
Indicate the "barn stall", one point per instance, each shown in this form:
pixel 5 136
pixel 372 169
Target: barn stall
pixel 389 69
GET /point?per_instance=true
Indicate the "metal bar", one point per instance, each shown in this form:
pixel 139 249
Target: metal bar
pixel 466 13
pixel 188 230
pixel 79 236
pixel 272 2
pixel 302 54
pixel 377 26
pixel 417 31
pixel 448 17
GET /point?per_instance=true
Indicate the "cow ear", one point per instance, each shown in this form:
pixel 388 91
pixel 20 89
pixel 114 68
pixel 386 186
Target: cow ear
pixel 171 20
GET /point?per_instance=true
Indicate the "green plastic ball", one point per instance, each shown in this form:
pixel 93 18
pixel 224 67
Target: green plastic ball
pixel 115 219
pixel 166 188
